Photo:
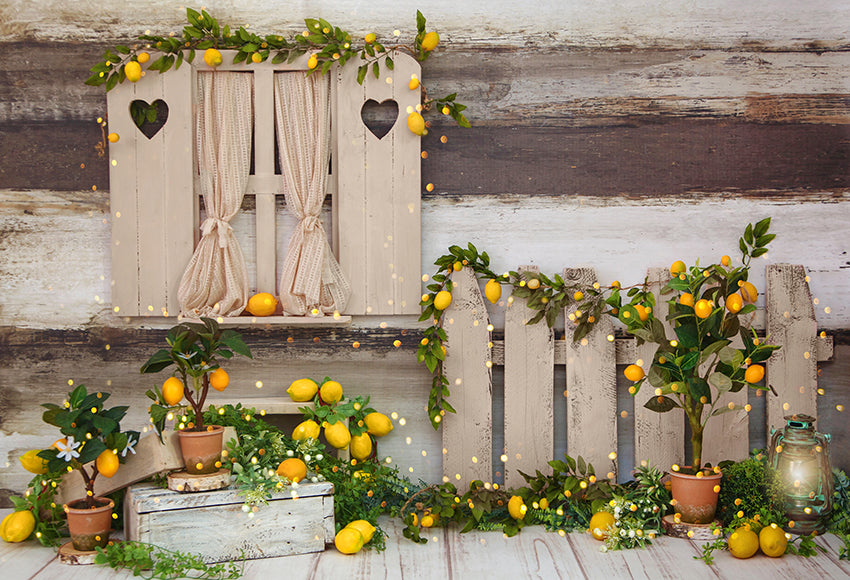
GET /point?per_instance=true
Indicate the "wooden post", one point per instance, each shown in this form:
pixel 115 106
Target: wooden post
pixel 468 435
pixel 659 437
pixel 529 384
pixel 791 370
pixel 591 384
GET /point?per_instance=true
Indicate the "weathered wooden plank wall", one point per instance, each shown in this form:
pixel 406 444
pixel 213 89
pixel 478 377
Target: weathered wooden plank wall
pixel 617 135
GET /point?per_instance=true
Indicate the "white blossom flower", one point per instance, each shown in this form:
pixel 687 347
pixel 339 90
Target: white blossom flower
pixel 67 450
pixel 631 533
pixel 131 443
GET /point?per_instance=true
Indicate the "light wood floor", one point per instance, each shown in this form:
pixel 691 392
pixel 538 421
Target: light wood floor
pixel 534 553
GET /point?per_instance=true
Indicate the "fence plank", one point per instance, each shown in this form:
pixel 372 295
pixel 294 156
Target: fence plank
pixel 378 198
pixel 792 370
pixel 591 385
pixel 659 437
pixel 727 436
pixel 529 383
pixel 467 435
pixel 264 148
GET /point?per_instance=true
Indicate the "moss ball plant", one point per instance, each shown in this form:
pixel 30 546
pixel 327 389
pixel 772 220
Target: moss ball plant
pixel 750 486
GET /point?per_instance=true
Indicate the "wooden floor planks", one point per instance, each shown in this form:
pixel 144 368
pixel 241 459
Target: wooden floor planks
pixel 533 554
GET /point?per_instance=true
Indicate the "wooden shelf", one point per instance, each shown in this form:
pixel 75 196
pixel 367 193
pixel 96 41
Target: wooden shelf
pixel 282 405
pixel 309 321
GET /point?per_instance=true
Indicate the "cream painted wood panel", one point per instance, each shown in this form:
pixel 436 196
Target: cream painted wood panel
pixel 591 385
pixel 152 201
pixel 792 370
pixel 378 194
pixel 529 382
pixel 467 435
pixel 659 437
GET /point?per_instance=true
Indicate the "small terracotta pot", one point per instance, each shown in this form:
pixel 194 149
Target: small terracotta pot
pixel 89 527
pixel 696 498
pixel 202 449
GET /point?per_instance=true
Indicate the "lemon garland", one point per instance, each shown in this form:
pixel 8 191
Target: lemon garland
pixel 327 44
pixel 551 295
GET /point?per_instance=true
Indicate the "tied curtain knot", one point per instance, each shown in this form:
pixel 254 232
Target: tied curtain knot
pixel 311 223
pixel 224 229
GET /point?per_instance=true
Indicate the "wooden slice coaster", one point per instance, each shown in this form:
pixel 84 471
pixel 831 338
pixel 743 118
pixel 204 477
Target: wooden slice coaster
pixel 700 532
pixel 185 482
pixel 73 557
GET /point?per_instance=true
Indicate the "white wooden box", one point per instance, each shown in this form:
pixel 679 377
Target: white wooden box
pixel 213 524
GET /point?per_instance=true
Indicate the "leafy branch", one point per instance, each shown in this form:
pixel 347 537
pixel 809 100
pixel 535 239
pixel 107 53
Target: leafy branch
pixel 150 561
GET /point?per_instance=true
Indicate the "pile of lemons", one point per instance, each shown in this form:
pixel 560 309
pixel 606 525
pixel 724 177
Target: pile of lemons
pixel 746 540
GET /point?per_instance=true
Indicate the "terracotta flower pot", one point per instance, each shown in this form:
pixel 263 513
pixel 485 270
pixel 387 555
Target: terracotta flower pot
pixel 89 527
pixel 696 497
pixel 202 449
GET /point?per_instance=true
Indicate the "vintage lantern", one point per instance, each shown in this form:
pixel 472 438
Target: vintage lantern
pixel 801 457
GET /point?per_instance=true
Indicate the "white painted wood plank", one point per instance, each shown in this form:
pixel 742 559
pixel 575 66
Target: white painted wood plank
pixel 264 148
pixel 180 198
pixel 122 202
pixel 153 170
pixel 529 382
pixel 379 160
pixel 225 532
pixel 791 370
pixel 591 385
pixel 349 167
pixel 659 437
pixel 149 497
pixel 23 559
pixel 467 435
pixel 407 185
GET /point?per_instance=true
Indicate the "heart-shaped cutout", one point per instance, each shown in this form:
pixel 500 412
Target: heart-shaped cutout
pixel 149 117
pixel 379 118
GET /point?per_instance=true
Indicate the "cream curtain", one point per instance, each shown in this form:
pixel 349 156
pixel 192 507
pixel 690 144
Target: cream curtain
pixel 312 281
pixel 216 281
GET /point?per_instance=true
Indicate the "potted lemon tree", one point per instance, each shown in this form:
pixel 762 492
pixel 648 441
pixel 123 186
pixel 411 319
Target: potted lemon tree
pixel 195 350
pixel 92 443
pixel 693 370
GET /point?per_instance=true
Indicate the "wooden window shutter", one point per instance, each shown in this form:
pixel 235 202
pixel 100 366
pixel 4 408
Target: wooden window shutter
pixel 377 208
pixel 151 194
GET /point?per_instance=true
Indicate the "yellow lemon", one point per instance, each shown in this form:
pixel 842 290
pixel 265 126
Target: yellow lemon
pixel 312 62
pixel 212 57
pixel 294 469
pixel 262 304
pixel 219 379
pixel 331 392
pixel 754 374
pixel 349 540
pixel 113 137
pixel 634 373
pixel 743 543
pixel 534 284
pixel 370 38
pixel 749 292
pixel 516 507
pixel 702 308
pixel 734 303
pixel 442 300
pixel 378 424
pixel 302 390
pixel 338 435
pixel 107 463
pixel 493 291
pixel 544 503
pixel 17 526
pixel 308 429
pixel 172 391
pixel 772 541
pixel 256 57
pixel 457 266
pixel 677 267
pixel 360 446
pixel 133 71
pixel 642 312
pixel 686 299
pixel 143 57
pixel 32 462
pixel 725 260
pixel 413 84
pixel 600 523
pixel 416 123
pixel 366 529
pixel 430 41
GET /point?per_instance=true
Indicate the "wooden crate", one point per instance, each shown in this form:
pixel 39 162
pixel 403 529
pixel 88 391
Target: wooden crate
pixel 298 521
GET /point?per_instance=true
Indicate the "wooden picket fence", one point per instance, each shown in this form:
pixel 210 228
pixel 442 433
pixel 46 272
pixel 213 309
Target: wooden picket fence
pixel 529 354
